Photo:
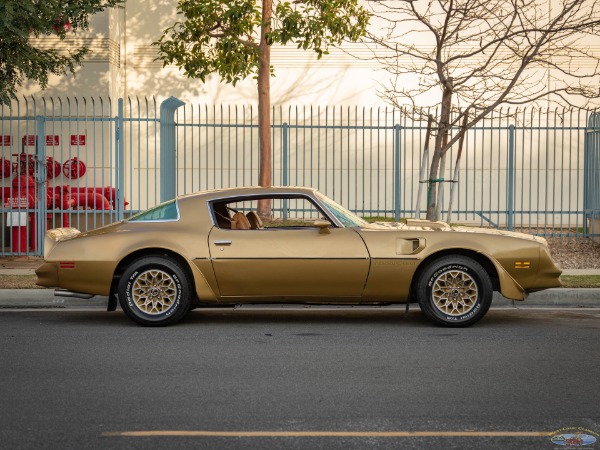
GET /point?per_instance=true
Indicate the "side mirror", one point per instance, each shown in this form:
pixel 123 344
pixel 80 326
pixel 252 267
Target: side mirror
pixel 323 226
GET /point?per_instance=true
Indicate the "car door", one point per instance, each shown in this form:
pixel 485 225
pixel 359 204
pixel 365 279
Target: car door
pixel 289 263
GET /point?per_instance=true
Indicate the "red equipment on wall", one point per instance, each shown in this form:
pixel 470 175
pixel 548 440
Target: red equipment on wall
pixel 109 192
pixel 26 164
pixel 21 199
pixel 59 198
pixel 74 168
pixel 5 168
pixel 53 168
pixel 91 200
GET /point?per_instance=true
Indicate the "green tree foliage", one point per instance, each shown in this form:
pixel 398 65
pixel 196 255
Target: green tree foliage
pixel 223 36
pixel 23 20
pixel 232 38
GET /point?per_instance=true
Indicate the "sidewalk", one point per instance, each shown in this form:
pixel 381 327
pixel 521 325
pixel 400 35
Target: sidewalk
pixel 19 266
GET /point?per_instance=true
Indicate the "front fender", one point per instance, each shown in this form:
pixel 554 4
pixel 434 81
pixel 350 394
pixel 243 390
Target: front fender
pixel 509 288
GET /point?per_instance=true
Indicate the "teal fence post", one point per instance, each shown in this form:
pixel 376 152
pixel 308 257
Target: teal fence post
pixel 40 131
pixel 168 149
pixel 591 178
pixel 397 172
pixel 285 150
pixel 510 205
pixel 120 160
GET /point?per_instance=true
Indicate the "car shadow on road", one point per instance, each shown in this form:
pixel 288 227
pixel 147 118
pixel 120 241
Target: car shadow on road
pixel 338 315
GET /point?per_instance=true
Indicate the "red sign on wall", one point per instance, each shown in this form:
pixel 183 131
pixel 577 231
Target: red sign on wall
pixel 78 139
pixel 52 139
pixel 29 139
pixel 16 202
pixel 6 140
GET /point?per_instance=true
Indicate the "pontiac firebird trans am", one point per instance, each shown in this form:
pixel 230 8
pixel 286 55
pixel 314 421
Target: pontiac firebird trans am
pixel 212 248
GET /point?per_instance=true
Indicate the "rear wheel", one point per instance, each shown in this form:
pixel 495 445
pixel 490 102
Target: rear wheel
pixel 155 291
pixel 454 291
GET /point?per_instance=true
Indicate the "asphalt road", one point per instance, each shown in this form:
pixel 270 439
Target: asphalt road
pixel 250 379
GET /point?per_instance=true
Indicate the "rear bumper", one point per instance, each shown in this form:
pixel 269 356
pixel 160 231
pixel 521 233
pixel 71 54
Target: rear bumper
pixel 47 274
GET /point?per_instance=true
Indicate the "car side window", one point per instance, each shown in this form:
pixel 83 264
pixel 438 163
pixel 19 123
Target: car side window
pixel 289 212
pixel 165 212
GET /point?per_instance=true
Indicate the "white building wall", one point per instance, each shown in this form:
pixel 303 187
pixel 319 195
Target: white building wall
pixel 122 65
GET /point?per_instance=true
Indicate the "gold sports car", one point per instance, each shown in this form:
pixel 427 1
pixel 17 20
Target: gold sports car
pixel 213 249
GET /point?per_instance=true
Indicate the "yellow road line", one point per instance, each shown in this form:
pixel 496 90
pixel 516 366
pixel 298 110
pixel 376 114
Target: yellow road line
pixel 183 433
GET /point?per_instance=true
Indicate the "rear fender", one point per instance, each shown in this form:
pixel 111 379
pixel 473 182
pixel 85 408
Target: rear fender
pixel 55 235
pixel 203 289
pixel 201 286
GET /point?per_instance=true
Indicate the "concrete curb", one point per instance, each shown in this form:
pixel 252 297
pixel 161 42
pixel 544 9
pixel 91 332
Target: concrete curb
pixel 44 298
pixel 562 297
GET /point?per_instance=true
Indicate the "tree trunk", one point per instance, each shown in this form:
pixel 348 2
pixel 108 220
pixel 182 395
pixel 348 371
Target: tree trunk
pixel 454 185
pixel 439 187
pixel 442 130
pixel 264 108
pixel 423 168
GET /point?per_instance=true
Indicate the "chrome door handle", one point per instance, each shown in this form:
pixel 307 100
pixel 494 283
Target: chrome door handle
pixel 222 242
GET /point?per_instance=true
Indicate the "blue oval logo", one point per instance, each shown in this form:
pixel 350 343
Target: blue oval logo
pixel 573 439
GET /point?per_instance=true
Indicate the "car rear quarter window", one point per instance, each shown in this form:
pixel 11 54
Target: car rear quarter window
pixel 162 213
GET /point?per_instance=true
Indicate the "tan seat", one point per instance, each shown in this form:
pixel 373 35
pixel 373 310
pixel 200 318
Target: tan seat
pixel 222 216
pixel 239 222
pixel 254 219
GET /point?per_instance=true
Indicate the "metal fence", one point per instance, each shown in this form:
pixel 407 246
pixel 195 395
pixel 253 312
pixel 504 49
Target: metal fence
pixel 88 162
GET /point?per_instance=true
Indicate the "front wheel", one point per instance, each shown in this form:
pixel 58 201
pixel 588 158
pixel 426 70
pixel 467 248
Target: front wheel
pixel 155 291
pixel 454 291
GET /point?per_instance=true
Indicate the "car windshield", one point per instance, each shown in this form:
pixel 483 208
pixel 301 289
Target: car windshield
pixel 347 218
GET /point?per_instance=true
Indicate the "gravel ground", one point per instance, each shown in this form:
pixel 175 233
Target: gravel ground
pixel 575 254
pixel 19 282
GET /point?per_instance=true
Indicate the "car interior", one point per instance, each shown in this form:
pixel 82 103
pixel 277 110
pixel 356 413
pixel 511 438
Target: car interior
pixel 286 212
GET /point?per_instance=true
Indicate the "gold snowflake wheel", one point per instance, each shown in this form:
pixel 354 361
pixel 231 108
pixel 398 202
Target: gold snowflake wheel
pixel 154 292
pixel 454 293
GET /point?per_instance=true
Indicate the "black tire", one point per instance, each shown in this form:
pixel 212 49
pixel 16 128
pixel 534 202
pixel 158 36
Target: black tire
pixel 155 291
pixel 454 291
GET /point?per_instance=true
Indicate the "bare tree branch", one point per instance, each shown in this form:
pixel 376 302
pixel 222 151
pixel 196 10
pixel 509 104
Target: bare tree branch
pixel 467 58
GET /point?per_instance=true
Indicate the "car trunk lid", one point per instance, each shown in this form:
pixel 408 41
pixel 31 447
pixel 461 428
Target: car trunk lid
pixel 56 235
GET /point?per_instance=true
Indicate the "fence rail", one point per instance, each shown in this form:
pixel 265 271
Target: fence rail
pixel 529 170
